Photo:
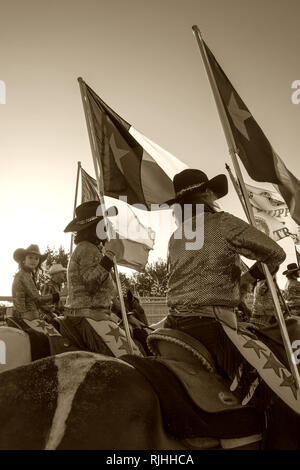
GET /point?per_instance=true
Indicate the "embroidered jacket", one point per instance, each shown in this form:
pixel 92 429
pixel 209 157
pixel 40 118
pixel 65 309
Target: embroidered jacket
pixel 26 297
pixel 292 292
pixel 51 288
pixel 211 274
pixel 89 281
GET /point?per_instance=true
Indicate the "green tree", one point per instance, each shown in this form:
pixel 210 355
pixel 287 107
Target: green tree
pixel 153 280
pixel 54 255
pixel 126 283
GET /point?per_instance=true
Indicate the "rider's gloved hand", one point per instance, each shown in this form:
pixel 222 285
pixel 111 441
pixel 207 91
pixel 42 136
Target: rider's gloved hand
pixel 113 247
pixel 257 271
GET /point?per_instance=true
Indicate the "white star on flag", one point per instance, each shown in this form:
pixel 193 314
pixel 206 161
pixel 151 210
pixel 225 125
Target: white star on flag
pixel 238 116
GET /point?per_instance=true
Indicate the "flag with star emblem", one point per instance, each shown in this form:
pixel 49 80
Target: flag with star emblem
pixel 133 165
pixel 259 158
pixel 273 372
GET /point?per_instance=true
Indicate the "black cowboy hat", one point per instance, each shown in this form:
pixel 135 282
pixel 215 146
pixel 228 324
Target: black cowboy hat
pixel 20 253
pixel 291 268
pixel 194 181
pixel 85 216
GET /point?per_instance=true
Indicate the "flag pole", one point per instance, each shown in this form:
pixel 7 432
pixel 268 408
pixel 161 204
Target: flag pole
pixel 100 185
pixel 297 255
pixel 233 151
pixel 238 190
pixel 75 202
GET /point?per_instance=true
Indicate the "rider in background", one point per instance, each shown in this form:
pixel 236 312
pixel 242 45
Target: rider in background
pixel 57 275
pixel 27 299
pixel 204 283
pixel 292 288
pixel 28 303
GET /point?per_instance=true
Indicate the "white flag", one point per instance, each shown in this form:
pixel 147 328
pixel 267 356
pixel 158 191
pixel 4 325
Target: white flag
pixel 272 214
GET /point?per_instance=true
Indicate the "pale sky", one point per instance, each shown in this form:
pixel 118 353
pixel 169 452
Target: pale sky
pixel 142 59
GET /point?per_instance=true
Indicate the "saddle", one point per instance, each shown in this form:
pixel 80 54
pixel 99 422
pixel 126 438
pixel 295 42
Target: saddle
pixel 196 402
pixel 196 369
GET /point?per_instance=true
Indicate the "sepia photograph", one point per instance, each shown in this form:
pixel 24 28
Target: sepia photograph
pixel 150 228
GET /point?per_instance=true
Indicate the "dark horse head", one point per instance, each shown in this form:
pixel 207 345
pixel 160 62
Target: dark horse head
pixel 132 304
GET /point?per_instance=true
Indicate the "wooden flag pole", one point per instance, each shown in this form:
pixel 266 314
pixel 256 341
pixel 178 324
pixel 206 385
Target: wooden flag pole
pixel 100 185
pixel 233 151
pixel 238 190
pixel 75 202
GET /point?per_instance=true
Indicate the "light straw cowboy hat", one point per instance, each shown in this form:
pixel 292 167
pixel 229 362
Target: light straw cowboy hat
pixel 57 268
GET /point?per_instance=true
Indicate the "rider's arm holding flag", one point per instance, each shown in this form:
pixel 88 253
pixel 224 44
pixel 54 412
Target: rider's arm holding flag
pixel 250 242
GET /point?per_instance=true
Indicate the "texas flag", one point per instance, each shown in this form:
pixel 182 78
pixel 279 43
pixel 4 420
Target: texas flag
pixel 132 164
pixel 136 239
pixel 259 158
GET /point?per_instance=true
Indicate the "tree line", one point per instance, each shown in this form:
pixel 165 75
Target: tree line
pixel 150 282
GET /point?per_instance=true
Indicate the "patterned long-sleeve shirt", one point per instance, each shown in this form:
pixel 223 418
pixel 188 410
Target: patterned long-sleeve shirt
pixel 211 274
pixel 89 283
pixel 26 297
pixel 292 293
pixel 51 288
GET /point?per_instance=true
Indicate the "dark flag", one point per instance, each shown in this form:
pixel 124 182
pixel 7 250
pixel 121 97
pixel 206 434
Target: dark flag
pixel 89 190
pixel 259 158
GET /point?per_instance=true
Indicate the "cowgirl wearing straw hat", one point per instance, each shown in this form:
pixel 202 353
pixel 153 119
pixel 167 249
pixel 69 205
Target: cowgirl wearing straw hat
pixel 57 275
pixel 26 297
pixel 28 304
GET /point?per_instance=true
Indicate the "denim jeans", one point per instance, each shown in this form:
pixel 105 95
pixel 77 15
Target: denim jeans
pixel 211 334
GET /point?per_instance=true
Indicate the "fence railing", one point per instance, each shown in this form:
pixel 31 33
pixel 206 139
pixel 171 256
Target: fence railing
pixel 6 298
pixel 155 307
pixel 153 300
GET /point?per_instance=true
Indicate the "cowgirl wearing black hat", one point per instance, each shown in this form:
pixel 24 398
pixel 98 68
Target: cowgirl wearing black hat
pixel 204 282
pixel 292 288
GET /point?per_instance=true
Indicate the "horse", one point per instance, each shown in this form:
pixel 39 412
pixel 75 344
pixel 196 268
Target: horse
pixel 87 401
pixel 137 319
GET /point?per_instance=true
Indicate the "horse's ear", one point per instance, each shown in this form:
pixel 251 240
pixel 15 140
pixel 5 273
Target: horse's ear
pixel 129 295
